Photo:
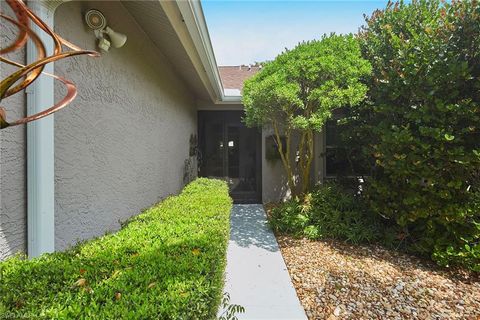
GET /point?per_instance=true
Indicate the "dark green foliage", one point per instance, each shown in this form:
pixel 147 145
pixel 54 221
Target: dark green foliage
pixel 296 94
pixel 166 263
pixel 329 212
pixel 420 125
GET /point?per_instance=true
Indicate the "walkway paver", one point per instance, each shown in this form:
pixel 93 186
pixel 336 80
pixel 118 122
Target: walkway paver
pixel 256 276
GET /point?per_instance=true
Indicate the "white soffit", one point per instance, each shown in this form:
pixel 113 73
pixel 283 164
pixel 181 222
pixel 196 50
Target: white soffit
pixel 179 30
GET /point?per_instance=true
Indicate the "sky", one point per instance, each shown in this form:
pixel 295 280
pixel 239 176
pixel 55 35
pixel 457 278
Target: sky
pixel 248 31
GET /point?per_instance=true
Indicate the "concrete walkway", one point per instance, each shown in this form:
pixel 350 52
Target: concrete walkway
pixel 256 276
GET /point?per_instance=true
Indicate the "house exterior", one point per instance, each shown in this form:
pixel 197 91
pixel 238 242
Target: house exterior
pixel 148 117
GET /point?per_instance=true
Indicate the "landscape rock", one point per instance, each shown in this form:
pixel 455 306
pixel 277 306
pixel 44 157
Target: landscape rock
pixel 339 281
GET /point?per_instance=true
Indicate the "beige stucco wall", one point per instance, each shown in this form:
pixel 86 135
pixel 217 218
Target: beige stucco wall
pixel 121 145
pixel 274 181
pixel 13 205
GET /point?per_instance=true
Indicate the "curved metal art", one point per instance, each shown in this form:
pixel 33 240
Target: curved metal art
pixel 27 74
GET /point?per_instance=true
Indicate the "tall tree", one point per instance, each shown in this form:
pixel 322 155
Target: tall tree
pixel 296 93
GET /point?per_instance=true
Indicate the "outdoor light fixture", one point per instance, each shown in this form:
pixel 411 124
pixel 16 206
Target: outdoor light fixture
pixel 98 23
pixel 24 75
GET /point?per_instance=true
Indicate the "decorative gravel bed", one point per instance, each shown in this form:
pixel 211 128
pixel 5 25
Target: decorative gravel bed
pixel 339 281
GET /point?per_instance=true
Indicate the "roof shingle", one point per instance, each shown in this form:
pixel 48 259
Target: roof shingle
pixel 233 76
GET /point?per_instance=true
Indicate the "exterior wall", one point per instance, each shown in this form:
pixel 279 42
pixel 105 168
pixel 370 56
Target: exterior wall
pixel 13 194
pixel 121 145
pixel 274 181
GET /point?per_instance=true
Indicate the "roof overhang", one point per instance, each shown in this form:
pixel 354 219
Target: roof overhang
pixel 188 21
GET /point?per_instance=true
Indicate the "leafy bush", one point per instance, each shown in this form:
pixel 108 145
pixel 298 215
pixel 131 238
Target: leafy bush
pixel 296 93
pixel 327 212
pixel 166 263
pixel 420 125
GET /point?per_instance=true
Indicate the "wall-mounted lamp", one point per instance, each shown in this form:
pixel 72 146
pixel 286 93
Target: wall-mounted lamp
pixel 98 23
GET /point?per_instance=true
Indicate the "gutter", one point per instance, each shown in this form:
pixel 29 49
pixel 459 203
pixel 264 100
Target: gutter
pixel 194 20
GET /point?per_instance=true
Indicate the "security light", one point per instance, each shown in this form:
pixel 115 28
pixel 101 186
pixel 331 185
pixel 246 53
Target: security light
pixel 98 23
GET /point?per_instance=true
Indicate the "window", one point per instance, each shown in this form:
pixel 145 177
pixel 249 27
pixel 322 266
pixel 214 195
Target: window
pixel 341 160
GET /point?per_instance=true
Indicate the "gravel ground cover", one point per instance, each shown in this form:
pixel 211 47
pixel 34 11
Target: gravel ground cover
pixel 335 280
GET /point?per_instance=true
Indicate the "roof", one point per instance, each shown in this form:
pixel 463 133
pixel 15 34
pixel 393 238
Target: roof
pixel 233 77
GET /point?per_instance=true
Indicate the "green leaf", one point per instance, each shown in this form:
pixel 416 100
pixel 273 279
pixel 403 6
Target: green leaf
pixel 449 137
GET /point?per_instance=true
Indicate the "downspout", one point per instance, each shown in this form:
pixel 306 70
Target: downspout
pixel 40 145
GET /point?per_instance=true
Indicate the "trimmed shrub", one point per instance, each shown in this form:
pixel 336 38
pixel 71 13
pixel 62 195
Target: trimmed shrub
pixel 296 93
pixel 329 212
pixel 166 263
pixel 420 125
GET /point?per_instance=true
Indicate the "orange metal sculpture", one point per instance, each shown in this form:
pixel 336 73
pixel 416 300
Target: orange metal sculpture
pixel 27 74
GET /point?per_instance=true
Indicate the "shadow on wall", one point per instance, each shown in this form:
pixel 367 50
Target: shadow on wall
pixel 275 183
pixel 249 228
pixel 282 190
pixel 13 174
pixel 274 178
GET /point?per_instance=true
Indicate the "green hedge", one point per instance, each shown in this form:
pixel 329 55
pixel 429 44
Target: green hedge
pixel 420 125
pixel 166 263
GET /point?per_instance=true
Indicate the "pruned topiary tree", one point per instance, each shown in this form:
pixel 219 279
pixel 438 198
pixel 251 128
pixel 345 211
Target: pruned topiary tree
pixel 296 93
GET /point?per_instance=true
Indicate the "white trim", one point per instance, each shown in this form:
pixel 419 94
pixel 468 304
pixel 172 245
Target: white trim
pixel 196 25
pixel 231 99
pixel 40 145
pixel 194 19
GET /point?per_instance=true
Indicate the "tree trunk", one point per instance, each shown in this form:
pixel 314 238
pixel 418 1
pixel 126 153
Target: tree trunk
pixel 305 151
pixel 285 156
pixel 307 162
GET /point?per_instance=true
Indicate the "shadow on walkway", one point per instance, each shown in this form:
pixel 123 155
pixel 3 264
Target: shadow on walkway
pixel 256 276
pixel 250 228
